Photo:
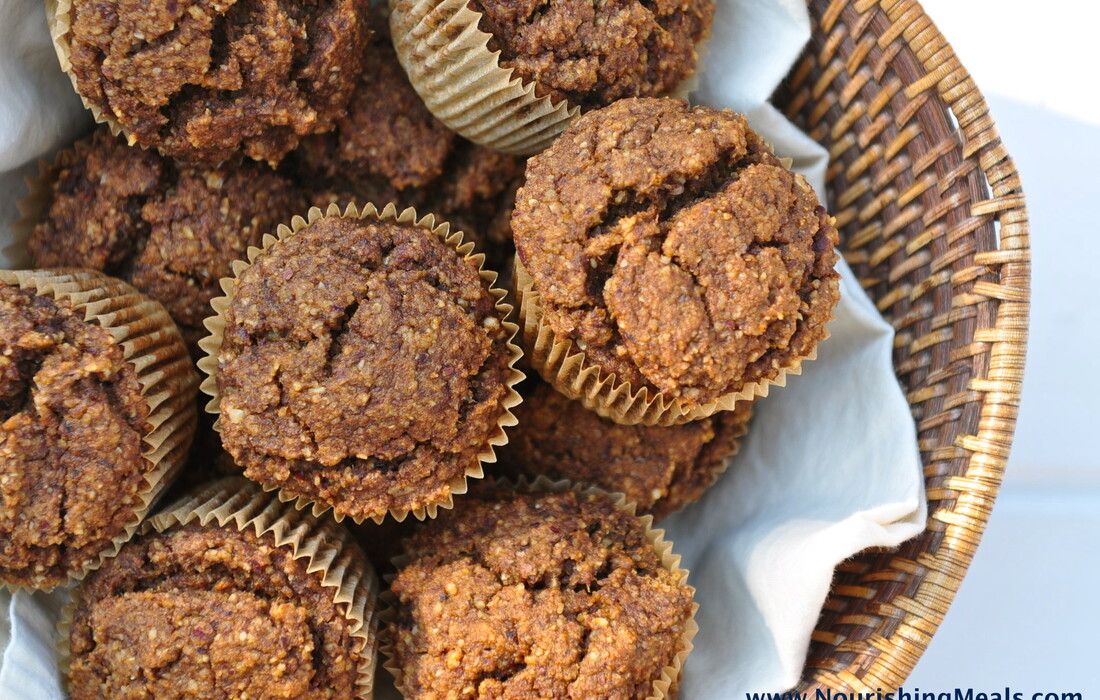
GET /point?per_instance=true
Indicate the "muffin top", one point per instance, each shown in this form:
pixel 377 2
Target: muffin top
pixel 672 246
pixel 202 79
pixel 659 468
pixel 72 419
pixel 363 366
pixel 592 54
pixel 535 595
pixel 209 612
pixel 170 231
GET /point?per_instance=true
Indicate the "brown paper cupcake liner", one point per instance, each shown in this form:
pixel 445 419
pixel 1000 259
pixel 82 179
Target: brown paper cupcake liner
pixel 151 343
pixel 211 344
pixel 329 550
pixel 666 684
pixel 567 368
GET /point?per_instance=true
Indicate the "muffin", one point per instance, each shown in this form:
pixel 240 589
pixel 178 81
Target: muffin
pixel 362 363
pixel 202 80
pixel 97 410
pixel 226 595
pixel 169 230
pixel 389 148
pixel 544 594
pixel 671 247
pixel 660 469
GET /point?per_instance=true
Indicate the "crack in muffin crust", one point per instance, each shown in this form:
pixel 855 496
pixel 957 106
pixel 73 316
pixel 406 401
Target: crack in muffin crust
pixel 675 249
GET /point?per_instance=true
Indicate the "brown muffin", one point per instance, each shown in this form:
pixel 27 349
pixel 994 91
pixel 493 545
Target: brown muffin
pixel 203 79
pixel 208 611
pixel 535 595
pixel 169 230
pixel 388 147
pixel 661 469
pixel 675 250
pixel 592 54
pixel 363 366
pixel 72 418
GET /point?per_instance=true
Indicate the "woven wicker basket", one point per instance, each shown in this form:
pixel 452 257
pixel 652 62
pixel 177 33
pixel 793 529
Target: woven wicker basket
pixel 933 221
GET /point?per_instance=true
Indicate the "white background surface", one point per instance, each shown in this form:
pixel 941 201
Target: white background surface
pixel 1028 611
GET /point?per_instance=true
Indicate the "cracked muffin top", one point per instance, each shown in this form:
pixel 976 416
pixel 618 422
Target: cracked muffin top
pixel 72 419
pixel 673 248
pixel 661 469
pixel 171 231
pixel 535 595
pixel 592 54
pixel 209 612
pixel 389 148
pixel 202 79
pixel 363 366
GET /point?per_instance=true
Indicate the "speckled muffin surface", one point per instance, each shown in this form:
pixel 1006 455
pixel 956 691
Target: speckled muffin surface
pixel 675 250
pixel 72 419
pixel 592 54
pixel 201 79
pixel 209 612
pixel 363 367
pixel 535 595
pixel 661 469
pixel 171 231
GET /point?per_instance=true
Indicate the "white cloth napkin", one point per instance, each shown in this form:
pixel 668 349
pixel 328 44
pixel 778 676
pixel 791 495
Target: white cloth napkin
pixel 830 466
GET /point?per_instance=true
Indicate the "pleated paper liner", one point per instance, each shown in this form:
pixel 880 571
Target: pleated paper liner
pixel 567 368
pixel 211 344
pixel 151 343
pixel 666 684
pixel 329 551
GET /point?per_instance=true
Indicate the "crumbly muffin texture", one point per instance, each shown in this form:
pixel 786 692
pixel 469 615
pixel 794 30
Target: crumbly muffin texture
pixel 201 79
pixel 592 54
pixel 72 419
pixel 661 469
pixel 545 595
pixel 209 612
pixel 671 245
pixel 363 366
pixel 171 231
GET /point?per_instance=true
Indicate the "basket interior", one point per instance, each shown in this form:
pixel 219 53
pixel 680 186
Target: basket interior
pixel 933 222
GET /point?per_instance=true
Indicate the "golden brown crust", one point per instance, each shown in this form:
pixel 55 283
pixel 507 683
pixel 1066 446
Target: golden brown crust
pixel 661 469
pixel 592 54
pixel 363 366
pixel 202 79
pixel 209 612
pixel 672 246
pixel 72 419
pixel 546 595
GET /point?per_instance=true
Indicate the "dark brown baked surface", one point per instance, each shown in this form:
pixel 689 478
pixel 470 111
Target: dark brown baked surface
pixel 209 612
pixel 673 247
pixel 72 419
pixel 202 79
pixel 389 148
pixel 171 231
pixel 548 595
pixel 363 366
pixel 592 54
pixel 661 469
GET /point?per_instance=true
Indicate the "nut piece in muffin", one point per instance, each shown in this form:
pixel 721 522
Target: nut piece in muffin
pixel 72 420
pixel 389 148
pixel 207 611
pixel 169 230
pixel 544 595
pixel 661 469
pixel 592 54
pixel 671 245
pixel 364 366
pixel 202 79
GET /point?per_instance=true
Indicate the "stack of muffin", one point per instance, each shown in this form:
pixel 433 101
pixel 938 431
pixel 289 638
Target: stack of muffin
pixel 323 209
